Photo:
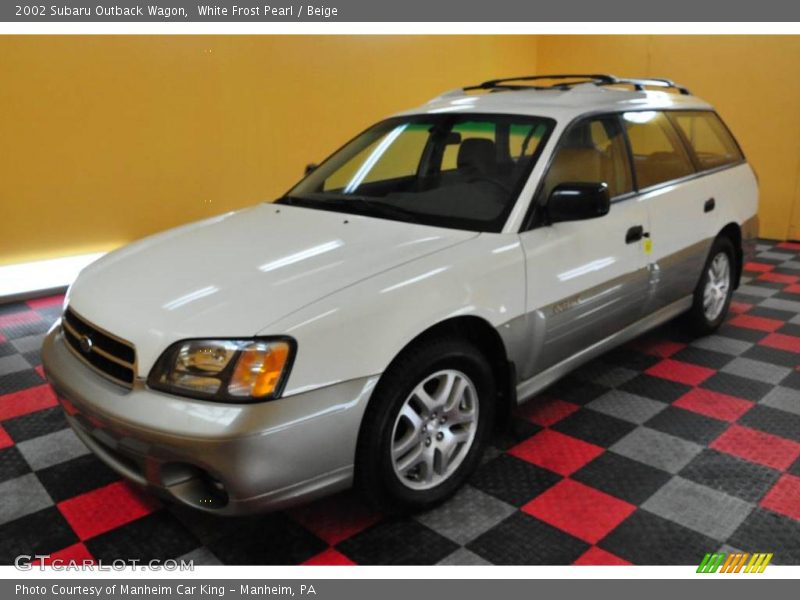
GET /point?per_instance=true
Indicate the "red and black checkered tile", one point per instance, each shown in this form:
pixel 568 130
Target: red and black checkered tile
pixel 656 453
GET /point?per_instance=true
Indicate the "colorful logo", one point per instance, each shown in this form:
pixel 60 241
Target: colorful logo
pixel 743 562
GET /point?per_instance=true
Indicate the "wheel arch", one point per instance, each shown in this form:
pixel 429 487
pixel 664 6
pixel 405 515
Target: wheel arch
pixel 486 338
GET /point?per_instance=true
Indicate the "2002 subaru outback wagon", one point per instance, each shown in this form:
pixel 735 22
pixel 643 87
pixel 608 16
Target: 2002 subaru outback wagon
pixel 371 324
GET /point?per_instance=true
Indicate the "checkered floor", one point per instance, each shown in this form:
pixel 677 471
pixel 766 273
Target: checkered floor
pixel 656 453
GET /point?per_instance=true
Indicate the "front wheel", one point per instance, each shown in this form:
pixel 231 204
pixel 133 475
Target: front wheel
pixel 426 425
pixel 712 298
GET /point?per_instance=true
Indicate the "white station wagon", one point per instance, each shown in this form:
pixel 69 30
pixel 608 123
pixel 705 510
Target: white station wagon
pixel 371 325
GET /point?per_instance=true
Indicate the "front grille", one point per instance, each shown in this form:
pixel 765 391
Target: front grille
pixel 109 355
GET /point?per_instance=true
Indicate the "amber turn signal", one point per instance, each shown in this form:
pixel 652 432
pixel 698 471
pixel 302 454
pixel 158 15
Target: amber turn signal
pixel 258 369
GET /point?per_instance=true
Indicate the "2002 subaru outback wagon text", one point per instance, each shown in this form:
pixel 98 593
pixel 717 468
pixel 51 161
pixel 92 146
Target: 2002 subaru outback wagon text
pixel 371 325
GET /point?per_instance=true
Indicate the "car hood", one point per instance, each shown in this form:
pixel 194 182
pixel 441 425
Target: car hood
pixel 235 274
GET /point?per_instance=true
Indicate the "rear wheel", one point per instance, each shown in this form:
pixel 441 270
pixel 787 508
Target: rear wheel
pixel 426 425
pixel 712 298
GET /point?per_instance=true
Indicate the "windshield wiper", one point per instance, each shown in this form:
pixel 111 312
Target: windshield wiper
pixel 388 210
pixel 360 204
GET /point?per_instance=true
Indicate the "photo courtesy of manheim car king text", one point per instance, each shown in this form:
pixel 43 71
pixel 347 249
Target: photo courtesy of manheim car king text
pixel 366 300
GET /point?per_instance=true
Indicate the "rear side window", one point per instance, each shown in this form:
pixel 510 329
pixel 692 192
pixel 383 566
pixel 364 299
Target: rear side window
pixel 658 152
pixel 711 142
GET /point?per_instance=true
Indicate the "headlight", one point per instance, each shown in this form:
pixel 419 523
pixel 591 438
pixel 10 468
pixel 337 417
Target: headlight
pixel 226 370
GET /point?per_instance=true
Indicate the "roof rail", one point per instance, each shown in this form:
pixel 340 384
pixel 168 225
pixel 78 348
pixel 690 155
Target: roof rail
pixel 570 80
pixel 640 83
pixel 574 79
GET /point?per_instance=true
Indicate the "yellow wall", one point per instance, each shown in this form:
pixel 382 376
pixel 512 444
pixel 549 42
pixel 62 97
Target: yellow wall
pixel 751 80
pixel 105 139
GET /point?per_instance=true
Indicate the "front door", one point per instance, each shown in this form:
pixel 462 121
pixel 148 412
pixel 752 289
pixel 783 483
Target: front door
pixel 586 280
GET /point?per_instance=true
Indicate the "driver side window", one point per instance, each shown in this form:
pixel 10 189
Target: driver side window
pixel 591 151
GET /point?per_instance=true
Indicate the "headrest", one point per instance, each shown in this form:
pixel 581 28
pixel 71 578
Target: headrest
pixel 478 154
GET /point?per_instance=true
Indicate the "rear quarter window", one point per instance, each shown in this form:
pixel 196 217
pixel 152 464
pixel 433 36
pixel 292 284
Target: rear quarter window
pixel 712 143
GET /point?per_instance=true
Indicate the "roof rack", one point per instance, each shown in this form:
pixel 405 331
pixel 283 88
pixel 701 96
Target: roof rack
pixel 639 84
pixel 573 79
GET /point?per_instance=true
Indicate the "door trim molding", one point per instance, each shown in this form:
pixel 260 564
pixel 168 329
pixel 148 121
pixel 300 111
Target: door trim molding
pixel 532 386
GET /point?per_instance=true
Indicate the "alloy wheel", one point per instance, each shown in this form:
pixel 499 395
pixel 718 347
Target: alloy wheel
pixel 434 429
pixel 718 285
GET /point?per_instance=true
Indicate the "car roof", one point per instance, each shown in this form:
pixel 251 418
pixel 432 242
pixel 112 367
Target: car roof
pixel 562 101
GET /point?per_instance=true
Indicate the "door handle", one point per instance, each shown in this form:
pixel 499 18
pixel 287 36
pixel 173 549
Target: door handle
pixel 709 205
pixel 634 234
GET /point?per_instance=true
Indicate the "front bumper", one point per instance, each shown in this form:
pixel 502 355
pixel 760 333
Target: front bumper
pixel 220 458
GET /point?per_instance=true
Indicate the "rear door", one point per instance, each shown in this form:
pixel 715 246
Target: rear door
pixel 586 280
pixel 680 230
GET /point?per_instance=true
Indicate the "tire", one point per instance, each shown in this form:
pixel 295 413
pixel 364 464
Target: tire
pixel 708 312
pixel 388 440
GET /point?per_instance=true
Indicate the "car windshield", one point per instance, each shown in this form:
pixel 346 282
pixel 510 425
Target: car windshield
pixel 462 171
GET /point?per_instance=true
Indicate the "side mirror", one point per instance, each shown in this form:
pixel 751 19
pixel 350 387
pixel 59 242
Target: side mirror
pixel 578 201
pixel 310 167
